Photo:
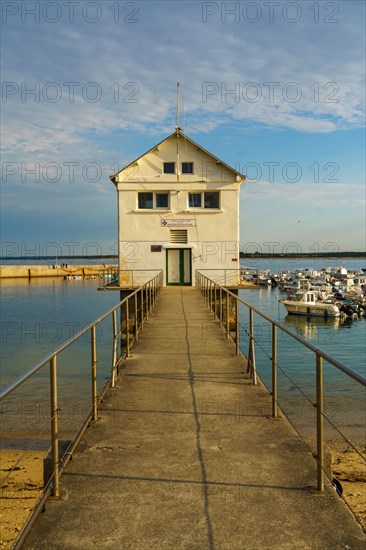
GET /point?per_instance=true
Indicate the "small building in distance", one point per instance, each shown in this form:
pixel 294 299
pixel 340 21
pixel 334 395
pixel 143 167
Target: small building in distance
pixel 178 211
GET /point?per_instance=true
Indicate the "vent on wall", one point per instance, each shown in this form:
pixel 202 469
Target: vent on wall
pixel 178 236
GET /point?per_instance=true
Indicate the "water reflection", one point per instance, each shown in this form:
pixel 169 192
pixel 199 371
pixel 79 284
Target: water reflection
pixel 315 328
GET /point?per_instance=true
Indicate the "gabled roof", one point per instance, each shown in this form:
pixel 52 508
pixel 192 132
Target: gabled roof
pixel 178 132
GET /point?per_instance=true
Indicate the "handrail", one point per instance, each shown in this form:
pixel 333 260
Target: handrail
pixel 147 293
pixel 338 364
pixel 116 274
pixel 237 273
pixel 210 290
pixel 4 392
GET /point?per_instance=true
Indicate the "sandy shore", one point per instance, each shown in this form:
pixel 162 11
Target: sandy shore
pixel 23 487
pixel 19 491
pixel 350 469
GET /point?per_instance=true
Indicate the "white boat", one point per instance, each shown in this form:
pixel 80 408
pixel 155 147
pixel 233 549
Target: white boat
pixel 264 277
pixel 307 303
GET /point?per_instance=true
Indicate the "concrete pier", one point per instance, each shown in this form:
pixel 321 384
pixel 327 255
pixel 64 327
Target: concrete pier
pixel 185 455
pixel 30 271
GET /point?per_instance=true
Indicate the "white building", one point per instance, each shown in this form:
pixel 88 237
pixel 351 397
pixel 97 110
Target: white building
pixel 178 211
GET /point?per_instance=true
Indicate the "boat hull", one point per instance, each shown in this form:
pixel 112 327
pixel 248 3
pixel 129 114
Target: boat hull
pixel 319 310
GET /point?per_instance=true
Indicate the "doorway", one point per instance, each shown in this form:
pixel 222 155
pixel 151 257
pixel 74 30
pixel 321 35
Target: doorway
pixel 179 266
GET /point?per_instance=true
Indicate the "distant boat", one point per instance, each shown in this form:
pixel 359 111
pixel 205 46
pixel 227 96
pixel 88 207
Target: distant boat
pixel 307 303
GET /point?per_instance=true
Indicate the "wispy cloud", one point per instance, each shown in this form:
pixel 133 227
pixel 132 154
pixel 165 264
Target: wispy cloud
pixel 305 194
pixel 306 77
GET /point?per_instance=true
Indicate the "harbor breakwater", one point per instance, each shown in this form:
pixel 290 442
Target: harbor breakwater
pixel 30 271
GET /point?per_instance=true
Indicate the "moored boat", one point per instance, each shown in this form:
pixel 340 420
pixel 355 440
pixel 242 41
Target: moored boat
pixel 308 303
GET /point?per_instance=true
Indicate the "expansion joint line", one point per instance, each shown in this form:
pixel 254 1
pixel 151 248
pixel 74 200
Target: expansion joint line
pixel 210 536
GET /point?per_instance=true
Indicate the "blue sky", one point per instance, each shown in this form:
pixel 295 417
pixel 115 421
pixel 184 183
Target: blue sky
pixel 275 89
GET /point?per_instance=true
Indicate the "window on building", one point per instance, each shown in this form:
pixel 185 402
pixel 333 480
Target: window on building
pixel 212 199
pixel 153 200
pixel 187 167
pixel 169 167
pixel 162 200
pixel 195 200
pixel 207 199
pixel 145 200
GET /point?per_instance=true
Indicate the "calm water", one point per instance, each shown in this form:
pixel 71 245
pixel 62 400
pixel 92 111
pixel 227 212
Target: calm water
pixel 38 315
pixel 344 339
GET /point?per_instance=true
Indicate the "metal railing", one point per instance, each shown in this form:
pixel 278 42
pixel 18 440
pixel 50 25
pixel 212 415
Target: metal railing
pixel 234 277
pixel 134 310
pixel 125 278
pixel 218 299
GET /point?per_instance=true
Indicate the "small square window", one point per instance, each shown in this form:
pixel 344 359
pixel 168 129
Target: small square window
pixel 187 167
pixel 169 167
pixel 162 200
pixel 212 199
pixel 145 200
pixel 195 200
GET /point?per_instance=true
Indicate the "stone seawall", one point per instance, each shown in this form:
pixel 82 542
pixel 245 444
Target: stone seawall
pixel 29 271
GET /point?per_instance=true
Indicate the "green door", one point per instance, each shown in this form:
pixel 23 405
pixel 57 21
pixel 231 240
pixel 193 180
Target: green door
pixel 178 266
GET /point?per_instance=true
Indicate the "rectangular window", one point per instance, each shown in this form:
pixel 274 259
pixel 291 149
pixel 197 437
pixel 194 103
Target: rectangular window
pixel 187 167
pixel 169 167
pixel 162 200
pixel 212 199
pixel 145 200
pixel 149 201
pixel 207 199
pixel 156 248
pixel 195 200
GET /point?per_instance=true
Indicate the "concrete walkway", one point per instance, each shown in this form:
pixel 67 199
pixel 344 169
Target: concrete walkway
pixel 186 456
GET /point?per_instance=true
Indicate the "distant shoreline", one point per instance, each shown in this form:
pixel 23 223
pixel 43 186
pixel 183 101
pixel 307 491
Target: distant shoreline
pixel 272 257
pixel 254 256
pixel 305 256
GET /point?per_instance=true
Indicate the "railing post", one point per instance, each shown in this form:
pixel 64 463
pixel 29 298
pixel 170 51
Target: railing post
pixel 147 301
pixel 214 300
pixel 94 372
pixel 210 295
pixel 136 320
pixel 54 426
pixel 127 330
pixel 115 350
pixel 274 370
pixel 220 305
pixel 237 343
pixel 251 354
pixel 227 316
pixel 142 307
pixel 319 422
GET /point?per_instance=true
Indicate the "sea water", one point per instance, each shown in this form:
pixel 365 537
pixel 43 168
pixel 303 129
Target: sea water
pixel 38 315
pixel 342 338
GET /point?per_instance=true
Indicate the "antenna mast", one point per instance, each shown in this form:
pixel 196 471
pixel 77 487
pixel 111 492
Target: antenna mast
pixel 177 108
pixel 177 131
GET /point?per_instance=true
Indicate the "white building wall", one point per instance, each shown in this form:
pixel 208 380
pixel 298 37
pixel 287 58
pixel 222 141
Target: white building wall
pixel 213 235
